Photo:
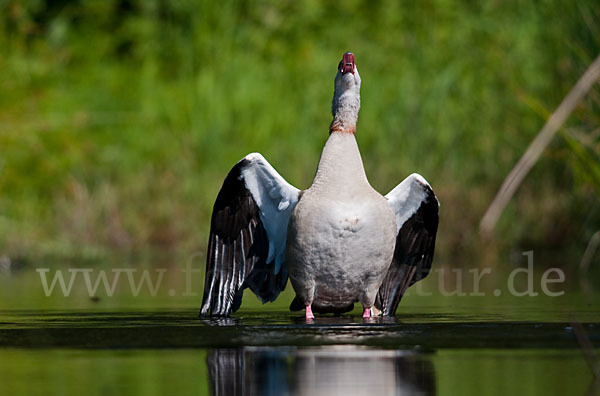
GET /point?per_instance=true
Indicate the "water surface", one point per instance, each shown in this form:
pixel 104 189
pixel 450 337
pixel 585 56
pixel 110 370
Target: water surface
pixel 278 353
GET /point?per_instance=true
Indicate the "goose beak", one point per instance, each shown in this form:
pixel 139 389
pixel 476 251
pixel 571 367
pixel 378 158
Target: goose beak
pixel 347 64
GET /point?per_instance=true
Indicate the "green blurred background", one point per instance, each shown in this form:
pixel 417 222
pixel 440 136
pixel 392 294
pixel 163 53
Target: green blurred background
pixel 119 119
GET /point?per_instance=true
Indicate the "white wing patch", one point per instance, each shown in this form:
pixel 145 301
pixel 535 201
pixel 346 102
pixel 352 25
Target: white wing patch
pixel 406 197
pixel 276 199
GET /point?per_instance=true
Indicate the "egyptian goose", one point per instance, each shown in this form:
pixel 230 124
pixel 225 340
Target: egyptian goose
pixel 339 241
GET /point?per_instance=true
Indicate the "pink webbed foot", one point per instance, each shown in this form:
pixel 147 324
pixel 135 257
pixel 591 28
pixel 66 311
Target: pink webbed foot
pixel 367 313
pixel 309 314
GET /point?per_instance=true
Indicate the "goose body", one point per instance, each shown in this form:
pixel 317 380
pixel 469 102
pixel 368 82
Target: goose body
pixel 341 235
pixel 339 241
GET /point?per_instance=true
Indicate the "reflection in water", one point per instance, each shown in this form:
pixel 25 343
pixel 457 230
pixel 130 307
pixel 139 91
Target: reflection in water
pixel 333 370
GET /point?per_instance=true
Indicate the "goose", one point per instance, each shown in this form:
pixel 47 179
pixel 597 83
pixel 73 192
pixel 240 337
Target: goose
pixel 339 241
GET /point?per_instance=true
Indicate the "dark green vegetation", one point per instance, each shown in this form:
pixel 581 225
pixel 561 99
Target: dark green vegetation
pixel 119 119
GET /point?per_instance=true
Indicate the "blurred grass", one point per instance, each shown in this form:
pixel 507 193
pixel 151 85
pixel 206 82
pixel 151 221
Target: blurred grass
pixel 119 119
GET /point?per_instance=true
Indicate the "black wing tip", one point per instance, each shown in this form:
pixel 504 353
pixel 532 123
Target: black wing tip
pixel 244 162
pixel 207 312
pixel 236 213
pixel 233 209
pixel 430 194
pixel 430 197
pixel 386 309
pixel 428 211
pixel 234 184
pixel 415 248
pixel 387 312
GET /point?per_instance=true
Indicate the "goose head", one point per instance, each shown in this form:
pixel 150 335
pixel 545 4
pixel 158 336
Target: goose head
pixel 346 96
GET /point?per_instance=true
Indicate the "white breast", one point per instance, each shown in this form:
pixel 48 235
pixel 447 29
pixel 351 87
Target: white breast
pixel 342 233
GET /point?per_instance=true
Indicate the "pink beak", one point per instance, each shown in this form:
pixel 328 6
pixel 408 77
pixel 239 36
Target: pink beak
pixel 347 64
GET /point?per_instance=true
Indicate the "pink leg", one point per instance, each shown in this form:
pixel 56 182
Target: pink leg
pixel 367 313
pixel 309 314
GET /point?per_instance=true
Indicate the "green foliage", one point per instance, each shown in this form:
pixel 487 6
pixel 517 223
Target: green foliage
pixel 119 118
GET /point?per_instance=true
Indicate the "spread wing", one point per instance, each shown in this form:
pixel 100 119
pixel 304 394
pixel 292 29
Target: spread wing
pixel 416 208
pixel 248 231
